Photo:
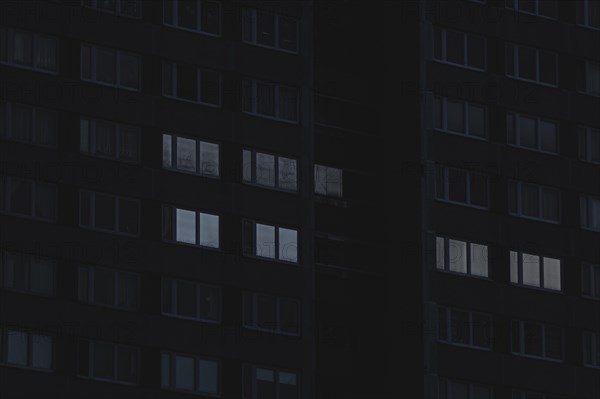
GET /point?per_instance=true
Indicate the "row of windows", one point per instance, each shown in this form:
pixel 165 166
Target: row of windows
pixel 474 329
pixel 521 62
pixel 526 269
pixel 100 360
pixel 122 289
pixel 527 200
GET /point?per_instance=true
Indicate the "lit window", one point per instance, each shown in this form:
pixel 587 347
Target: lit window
pixel 588 13
pixel 532 132
pixel 124 8
pixel 537 340
pixel 263 28
pixel 266 241
pixel 542 8
pixel 270 100
pixel 107 361
pixel 28 198
pixel 28 349
pixel 265 382
pixel 28 50
pixel 269 170
pixel 28 273
pixel 186 299
pixel 202 16
pixel 531 64
pixel 109 140
pixel 107 212
pixel 271 313
pixel 589 144
pixel 462 186
pixel 461 257
pixel 105 287
pixel 190 227
pixel 190 155
pixel 535 271
pixel 459 48
pixel 591 349
pixel 328 181
pixel 180 372
pixel 534 201
pixel 461 117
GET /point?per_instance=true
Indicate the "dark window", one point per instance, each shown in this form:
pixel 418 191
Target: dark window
pixel 461 186
pixel 590 280
pixel 529 63
pixel 27 273
pixel 107 212
pixel 191 300
pixel 28 198
pixel 110 140
pixel 263 382
pixel 24 123
pixel 588 13
pixel 198 15
pixel 463 327
pixel 271 313
pixel 111 67
pixel 105 287
pixel 29 50
pixel 27 349
pixel 270 100
pixel 267 29
pixel 534 201
pixel 591 349
pixel 124 8
pixel 460 48
pixel 189 373
pixel 538 340
pixel 107 361
pixel 190 83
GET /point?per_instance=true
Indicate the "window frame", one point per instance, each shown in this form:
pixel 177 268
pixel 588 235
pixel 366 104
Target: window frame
pixel 327 191
pixel 594 270
pixel 92 216
pixel 197 358
pixel 541 266
pixel 538 133
pixel 465 46
pixel 583 89
pixel 93 49
pixel 276 103
pixel 521 339
pixel 175 13
pixel 446 259
pixel 444 387
pixel 471 326
pixel 9 32
pixel 585 134
pixel 197 293
pixel 197 240
pixel 117 276
pixel 5 203
pixel 252 368
pixel 254 16
pixel 466 105
pixel 540 206
pixel 585 12
pixel 93 5
pixel 197 150
pixel 115 349
pixel 468 174
pixel 252 254
pixel 514 5
pixel 253 171
pixel 594 350
pixel 27 258
pixel 516 67
pixel 199 71
pixel 278 329
pixel 586 212
pixel 6 129
pixel 92 128
pixel 4 331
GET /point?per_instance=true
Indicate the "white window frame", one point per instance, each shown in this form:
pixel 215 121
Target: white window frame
pixel 171 369
pixel 466 105
pixel 468 174
pixel 254 16
pixel 93 67
pixel 252 368
pixel 277 86
pixel 198 146
pixel 594 270
pixel 516 69
pixel 537 120
pixel 514 5
pixel 92 216
pixel 6 130
pixel 471 325
pixel 175 13
pixel 252 167
pixel 465 64
pixel 446 257
pixel 29 347
pixel 5 183
pixel 173 210
pixel 276 258
pixel 91 139
pixel 197 295
pixel 117 276
pixel 278 328
pixel 93 4
pixel 585 134
pixel 586 15
pixel 115 348
pixel 541 260
pixel 540 188
pixel 9 32
pixel 521 350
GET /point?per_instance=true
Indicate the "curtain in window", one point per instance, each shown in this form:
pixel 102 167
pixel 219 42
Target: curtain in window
pixel 105 138
pixel 265 98
pixel 186 154
pixel 45 53
pixel 287 173
pixel 209 159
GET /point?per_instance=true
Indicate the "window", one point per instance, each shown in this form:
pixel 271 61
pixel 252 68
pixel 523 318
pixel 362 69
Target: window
pixel 589 78
pixel 124 8
pixel 535 271
pixel 588 13
pixel 271 313
pixel 328 181
pixel 262 28
pixel 267 241
pixel 185 154
pixel 28 50
pixel 532 132
pixel 27 349
pixel 28 273
pixel 107 361
pixel 264 382
pixel 189 83
pixel 111 67
pixel 27 124
pixel 462 327
pixel 531 64
pixel 24 197
pixel 589 144
pixel 182 298
pixel 109 140
pixel 107 212
pixel 534 201
pixel 190 227
pixel 461 257
pixel 459 48
pixel 542 8
pixel 589 212
pixel 269 170
pixel 203 16
pixel 270 100
pixel 590 280
pixel 519 394
pixel 453 389
pixel 181 372
pixel 591 349
pixel 537 340
pixel 457 116
pixel 105 287
pixel 462 186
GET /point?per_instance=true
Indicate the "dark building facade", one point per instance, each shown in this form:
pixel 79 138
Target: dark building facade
pixel 298 199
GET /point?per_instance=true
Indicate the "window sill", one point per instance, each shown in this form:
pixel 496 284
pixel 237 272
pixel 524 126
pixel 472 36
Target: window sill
pixel 199 32
pixel 28 68
pixel 556 154
pixel 113 85
pixel 534 218
pixel 199 320
pixel 188 172
pixel 110 307
pixel 532 14
pixel 281 50
pixel 589 27
pixel 273 118
pixel 197 246
pixel 118 233
pixel 12 140
pixel 17 366
pixel 107 158
pixel 535 287
pixel 271 260
pixel 592 298
pixel 108 380
pixel 459 134
pixel 466 346
pixel 555 86
pixel 39 294
pixel 585 93
pixel 547 359
pixel 460 65
pixel 191 101
pixel 453 273
pixel 272 188
pixel 274 332
pixel 463 204
pixel 117 14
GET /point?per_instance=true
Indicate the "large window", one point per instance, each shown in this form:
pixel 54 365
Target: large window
pixel 534 201
pixel 107 212
pixel 186 154
pixel 589 78
pixel 590 280
pixel 269 170
pixel 106 287
pixel 270 100
pixel 190 227
pixel 588 13
pixel 328 181
pixel 271 313
pixel 532 132
pixel 28 198
pixel 28 273
pixel 459 48
pixel 107 361
pixel 537 340
pixel 589 144
pixel 589 212
pixel 263 28
pixel 541 8
pixel 202 16
pixel 190 83
pixel 27 124
pixel 189 373
pixel 456 389
pixel 591 349
pixel 461 117
pixel 27 349
pixel 111 67
pixel 28 50
pixel 531 64
pixel 109 140
pixel 461 257
pixel 187 299
pixel 272 242
pixel 462 186
pixel 124 8
pixel 265 382
pixel 462 327
pixel 535 271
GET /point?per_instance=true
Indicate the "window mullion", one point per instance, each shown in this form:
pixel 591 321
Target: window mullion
pixel 515 50
pixel 118 68
pixel 541 271
pixel 446 253
pixel 254 96
pixel 276 110
pixel 276 254
pixel 197 216
pixel 522 337
pixel 537 65
pixel 91 354
pixel 468 256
